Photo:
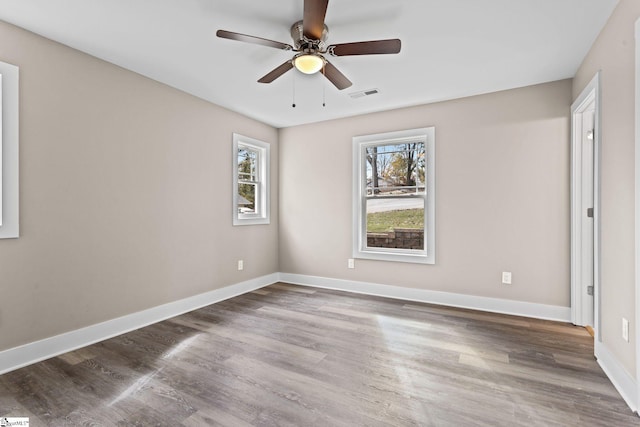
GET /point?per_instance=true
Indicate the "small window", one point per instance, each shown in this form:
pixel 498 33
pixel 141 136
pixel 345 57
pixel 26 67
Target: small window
pixel 8 151
pixel 394 196
pixel 250 181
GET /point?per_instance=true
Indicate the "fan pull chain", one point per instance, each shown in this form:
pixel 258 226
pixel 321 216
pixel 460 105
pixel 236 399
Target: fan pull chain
pixel 324 87
pixel 293 80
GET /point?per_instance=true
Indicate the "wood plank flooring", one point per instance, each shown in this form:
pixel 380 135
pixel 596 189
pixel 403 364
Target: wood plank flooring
pixel 295 356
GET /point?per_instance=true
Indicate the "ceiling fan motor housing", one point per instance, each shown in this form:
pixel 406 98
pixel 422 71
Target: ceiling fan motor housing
pixel 300 42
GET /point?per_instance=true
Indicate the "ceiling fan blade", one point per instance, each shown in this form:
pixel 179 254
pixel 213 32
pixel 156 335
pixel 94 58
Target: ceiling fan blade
pixel 252 39
pixel 374 47
pixel 276 72
pixel 313 18
pixel 335 76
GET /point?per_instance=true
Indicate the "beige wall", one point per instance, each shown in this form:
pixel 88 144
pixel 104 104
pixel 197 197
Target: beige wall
pixel 502 190
pixel 125 195
pixel 613 53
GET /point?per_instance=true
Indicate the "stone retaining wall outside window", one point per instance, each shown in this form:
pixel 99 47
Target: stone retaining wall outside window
pixel 402 238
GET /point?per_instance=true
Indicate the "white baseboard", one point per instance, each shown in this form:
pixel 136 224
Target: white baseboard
pixel 618 375
pixel 18 357
pixel 495 305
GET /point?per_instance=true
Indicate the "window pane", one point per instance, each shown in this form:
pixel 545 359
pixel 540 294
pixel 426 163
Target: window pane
pixel 395 168
pixel 247 161
pixel 246 198
pixel 395 223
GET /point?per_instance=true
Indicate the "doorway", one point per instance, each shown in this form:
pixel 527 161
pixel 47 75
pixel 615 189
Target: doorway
pixel 585 149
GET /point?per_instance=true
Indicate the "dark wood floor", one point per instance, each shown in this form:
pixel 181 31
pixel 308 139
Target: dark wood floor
pixel 288 355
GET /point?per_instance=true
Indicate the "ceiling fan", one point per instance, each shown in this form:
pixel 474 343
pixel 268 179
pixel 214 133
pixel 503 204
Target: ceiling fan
pixel 309 37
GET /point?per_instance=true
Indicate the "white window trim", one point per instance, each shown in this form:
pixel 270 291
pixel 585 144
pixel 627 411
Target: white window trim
pixel 263 203
pixel 360 249
pixel 9 151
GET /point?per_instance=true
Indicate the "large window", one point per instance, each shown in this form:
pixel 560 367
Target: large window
pixel 394 196
pixel 8 151
pixel 250 181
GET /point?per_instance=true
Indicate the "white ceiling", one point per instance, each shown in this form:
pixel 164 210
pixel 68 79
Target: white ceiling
pixel 450 48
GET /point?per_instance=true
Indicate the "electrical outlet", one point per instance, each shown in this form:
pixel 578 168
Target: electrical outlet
pixel 351 263
pixel 240 265
pixel 506 277
pixel 625 329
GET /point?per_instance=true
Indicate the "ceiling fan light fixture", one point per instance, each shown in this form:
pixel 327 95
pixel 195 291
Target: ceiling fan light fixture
pixel 308 63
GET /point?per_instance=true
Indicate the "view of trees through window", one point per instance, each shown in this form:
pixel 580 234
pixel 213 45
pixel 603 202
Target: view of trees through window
pixel 395 196
pixel 247 180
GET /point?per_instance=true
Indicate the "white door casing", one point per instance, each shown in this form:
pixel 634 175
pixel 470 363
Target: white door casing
pixel 634 334
pixel 585 149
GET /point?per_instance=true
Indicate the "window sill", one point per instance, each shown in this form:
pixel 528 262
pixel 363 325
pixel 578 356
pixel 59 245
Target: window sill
pixel 390 255
pixel 251 221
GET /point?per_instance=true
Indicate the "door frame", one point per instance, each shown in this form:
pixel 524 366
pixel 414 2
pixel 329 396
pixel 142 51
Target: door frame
pixel 635 335
pixel 590 94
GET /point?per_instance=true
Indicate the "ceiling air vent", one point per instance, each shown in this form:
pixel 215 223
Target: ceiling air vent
pixel 362 93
